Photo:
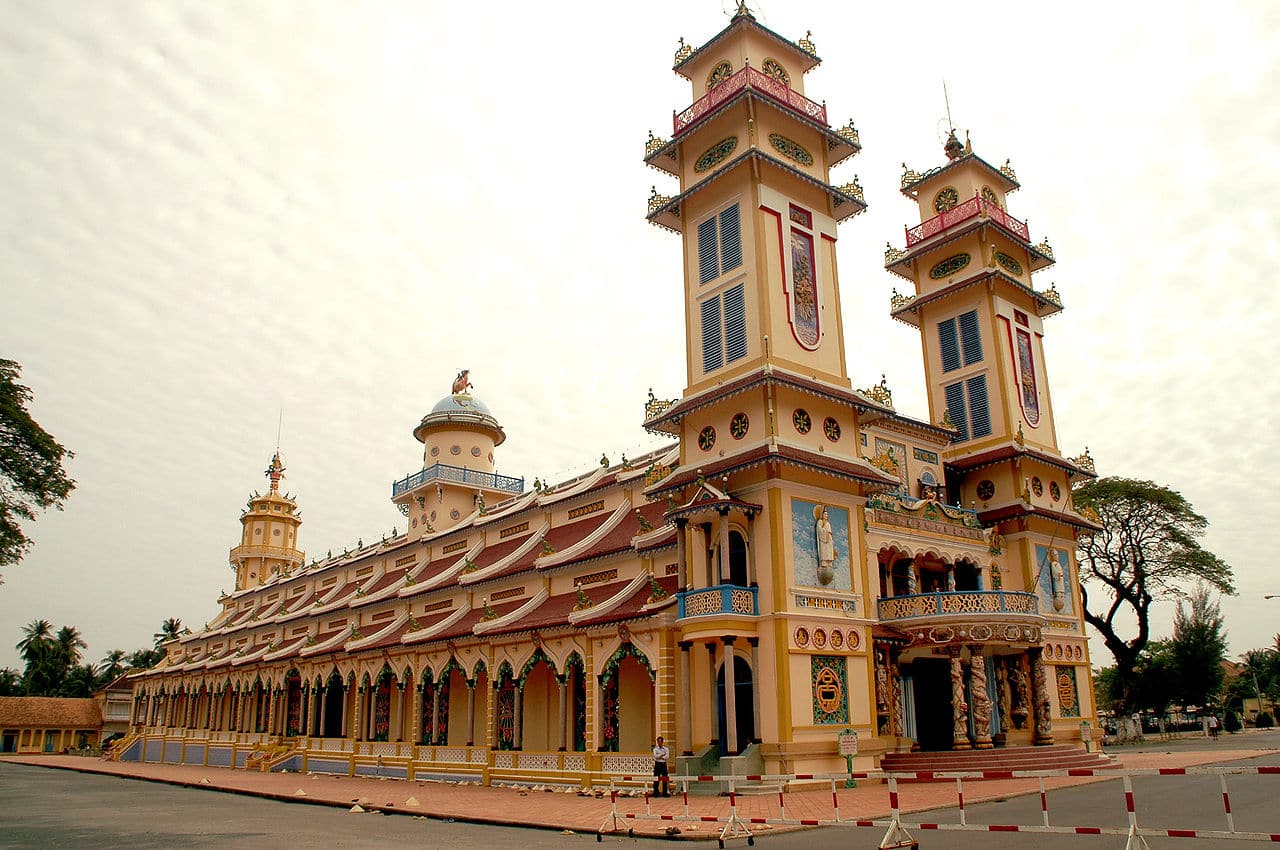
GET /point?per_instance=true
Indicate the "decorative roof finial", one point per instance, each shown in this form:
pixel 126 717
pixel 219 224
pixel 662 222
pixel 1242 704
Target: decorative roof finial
pixel 743 10
pixel 462 382
pixel 275 472
pixel 953 148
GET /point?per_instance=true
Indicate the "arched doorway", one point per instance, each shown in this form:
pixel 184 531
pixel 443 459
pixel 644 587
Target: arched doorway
pixel 293 704
pixel 737 559
pixel 332 707
pixel 744 707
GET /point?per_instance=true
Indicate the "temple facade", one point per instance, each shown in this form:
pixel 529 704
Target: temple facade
pixel 799 561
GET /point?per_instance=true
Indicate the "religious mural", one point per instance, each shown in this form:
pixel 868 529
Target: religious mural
pixel 1053 580
pixel 1027 379
pixel 804 290
pixel 820 545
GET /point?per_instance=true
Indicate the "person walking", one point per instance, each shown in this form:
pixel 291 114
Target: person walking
pixel 1213 725
pixel 661 779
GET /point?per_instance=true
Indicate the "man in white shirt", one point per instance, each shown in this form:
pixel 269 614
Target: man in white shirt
pixel 661 779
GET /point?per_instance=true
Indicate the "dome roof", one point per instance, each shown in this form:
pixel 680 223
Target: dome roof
pixel 460 409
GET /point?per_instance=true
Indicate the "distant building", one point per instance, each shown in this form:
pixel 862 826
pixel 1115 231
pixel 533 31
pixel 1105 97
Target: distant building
pixel 48 724
pixel 802 559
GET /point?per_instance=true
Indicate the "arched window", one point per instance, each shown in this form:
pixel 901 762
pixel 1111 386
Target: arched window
pixel 737 559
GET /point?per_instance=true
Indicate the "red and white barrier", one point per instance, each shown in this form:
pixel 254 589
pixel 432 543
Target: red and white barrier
pixel 897 834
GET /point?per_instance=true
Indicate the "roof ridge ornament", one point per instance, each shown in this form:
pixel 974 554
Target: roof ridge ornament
pixel 806 43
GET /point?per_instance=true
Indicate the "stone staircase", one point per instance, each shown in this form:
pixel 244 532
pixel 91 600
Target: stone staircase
pixel 1053 757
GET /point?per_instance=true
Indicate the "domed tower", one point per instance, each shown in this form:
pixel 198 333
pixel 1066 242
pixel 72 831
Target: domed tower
pixel 269 536
pixel 458 437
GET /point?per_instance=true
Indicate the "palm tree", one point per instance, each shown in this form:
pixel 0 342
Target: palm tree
pixel 141 659
pixel 69 643
pixel 10 682
pixel 81 681
pixel 113 664
pixel 37 648
pixel 169 630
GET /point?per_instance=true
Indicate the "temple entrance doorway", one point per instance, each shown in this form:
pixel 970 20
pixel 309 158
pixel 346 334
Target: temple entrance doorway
pixel 934 717
pixel 744 708
pixel 333 700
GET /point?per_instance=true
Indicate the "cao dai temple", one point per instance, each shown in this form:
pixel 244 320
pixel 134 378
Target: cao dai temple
pixel 800 560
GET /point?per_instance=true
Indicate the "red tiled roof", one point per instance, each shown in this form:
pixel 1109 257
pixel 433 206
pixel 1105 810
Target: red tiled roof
pixel 468 622
pixel 555 610
pixel 490 555
pixel 620 537
pixel 50 713
pixel 632 606
pixel 822 463
pixel 389 578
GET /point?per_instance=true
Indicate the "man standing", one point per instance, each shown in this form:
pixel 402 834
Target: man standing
pixel 661 779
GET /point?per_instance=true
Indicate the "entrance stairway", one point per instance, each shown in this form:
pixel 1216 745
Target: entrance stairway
pixel 1053 757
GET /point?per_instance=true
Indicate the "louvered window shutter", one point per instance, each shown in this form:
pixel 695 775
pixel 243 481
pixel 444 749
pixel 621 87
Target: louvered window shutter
pixel 949 346
pixel 735 324
pixel 979 411
pixel 955 408
pixel 708 257
pixel 970 337
pixel 730 239
pixel 712 344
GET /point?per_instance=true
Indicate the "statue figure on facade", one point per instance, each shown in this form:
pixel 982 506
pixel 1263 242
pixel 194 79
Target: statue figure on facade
pixel 826 545
pixel 981 699
pixel 1040 688
pixel 1002 694
pixel 960 708
pixel 462 382
pixel 882 684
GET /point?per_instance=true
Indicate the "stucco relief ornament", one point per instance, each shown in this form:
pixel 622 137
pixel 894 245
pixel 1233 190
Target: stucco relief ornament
pixel 981 703
pixel 826 545
pixel 960 727
pixel 1044 724
pixel 1021 696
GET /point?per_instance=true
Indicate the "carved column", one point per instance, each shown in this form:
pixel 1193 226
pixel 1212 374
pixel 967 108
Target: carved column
pixel 682 555
pixel 757 734
pixel 684 728
pixel 980 698
pixel 471 714
pixel 730 700
pixel 959 708
pixel 884 709
pixel 415 719
pixel 562 711
pixel 1020 692
pixel 1002 697
pixel 895 694
pixel 517 718
pixel 1040 697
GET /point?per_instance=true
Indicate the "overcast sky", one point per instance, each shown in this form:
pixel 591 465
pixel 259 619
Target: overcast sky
pixel 215 211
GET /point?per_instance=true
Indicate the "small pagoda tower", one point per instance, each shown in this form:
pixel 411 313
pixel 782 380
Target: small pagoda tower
pixel 457 480
pixel 269 534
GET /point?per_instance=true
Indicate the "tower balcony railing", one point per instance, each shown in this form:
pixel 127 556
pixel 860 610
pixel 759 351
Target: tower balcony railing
pixel 918 606
pixel 749 77
pixel 972 208
pixel 457 475
pixel 720 599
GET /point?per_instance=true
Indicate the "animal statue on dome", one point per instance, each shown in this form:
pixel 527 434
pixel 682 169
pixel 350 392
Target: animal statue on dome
pixel 462 382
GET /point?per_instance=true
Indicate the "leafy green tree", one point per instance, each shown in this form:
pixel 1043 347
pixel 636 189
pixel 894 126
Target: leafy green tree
pixel 1147 549
pixel 142 659
pixel 81 681
pixel 1106 689
pixel 1198 649
pixel 10 683
pixel 1154 686
pixel 169 630
pixel 31 473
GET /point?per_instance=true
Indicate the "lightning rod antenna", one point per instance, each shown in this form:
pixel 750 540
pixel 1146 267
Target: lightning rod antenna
pixel 947 100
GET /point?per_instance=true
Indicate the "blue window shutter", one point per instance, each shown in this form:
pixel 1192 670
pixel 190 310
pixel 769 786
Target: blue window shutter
pixel 712 346
pixel 955 407
pixel 970 337
pixel 979 411
pixel 708 259
pixel 735 324
pixel 730 239
pixel 949 347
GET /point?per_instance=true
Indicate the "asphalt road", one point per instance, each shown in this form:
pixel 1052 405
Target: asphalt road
pixel 54 808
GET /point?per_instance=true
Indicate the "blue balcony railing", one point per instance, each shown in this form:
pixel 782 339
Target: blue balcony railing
pixel 954 602
pixel 457 475
pixel 721 599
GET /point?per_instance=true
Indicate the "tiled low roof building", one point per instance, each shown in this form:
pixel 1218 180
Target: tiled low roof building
pixel 48 724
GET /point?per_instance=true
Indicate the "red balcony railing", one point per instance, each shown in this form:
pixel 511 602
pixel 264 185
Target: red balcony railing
pixel 971 208
pixel 749 78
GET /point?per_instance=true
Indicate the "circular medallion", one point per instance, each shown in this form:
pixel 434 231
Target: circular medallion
pixel 802 636
pixel 986 489
pixel 820 638
pixel 949 266
pixel 721 72
pixel 800 419
pixel 855 640
pixel 455 450
pixel 707 438
pixel 1011 265
pixel 981 631
pixel 415 522
pixel 475 451
pixel 775 70
pixel 715 154
pixel 1066 692
pixel 837 638
pixel 831 428
pixel 1037 486
pixel 1055 492
pixel 739 425
pixel 946 199
pixel 989 195
pixel 435 451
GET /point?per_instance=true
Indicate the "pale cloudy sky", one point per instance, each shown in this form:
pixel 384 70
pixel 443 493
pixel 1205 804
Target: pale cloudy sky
pixel 212 211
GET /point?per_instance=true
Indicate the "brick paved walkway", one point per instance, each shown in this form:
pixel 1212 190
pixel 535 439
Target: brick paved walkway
pixel 562 810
